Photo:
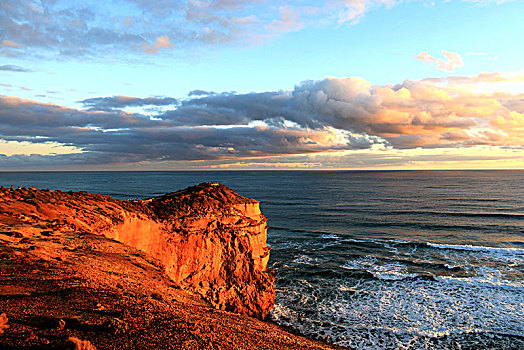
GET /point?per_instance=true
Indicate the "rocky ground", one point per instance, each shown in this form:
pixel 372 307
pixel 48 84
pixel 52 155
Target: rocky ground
pixel 55 287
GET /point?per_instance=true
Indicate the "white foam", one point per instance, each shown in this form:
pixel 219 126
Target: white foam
pixel 391 272
pixel 330 236
pixel 397 240
pixel 485 277
pixel 509 256
pixel 405 314
pixel 388 272
pixel 474 248
pixel 352 265
pixel 304 259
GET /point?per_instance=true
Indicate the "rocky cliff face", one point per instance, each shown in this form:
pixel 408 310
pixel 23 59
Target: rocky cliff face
pixel 209 239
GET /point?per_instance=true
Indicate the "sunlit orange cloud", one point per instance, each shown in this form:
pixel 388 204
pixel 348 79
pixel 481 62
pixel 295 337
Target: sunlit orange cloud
pixel 263 165
pixel 445 111
pixel 161 43
pixel 10 43
pixel 450 61
pixel 10 148
pixel 352 10
pixel 476 157
pixel 288 21
pixel 485 82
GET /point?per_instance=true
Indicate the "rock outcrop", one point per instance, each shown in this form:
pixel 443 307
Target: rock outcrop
pixel 209 239
pixel 66 289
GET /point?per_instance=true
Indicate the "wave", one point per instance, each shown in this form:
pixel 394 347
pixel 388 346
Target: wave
pixel 410 313
pixel 330 236
pixel 388 272
pixel 455 214
pixel 325 214
pixel 305 259
pixel 473 248
pixel 507 251
pixel 388 243
pixel 298 230
pixel 287 203
pixel 483 280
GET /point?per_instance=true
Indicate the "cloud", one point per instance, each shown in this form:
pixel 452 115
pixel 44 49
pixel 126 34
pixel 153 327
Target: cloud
pixel 474 157
pixel 11 87
pixel 200 93
pixel 13 68
pixel 482 78
pixel 161 43
pixel 91 28
pixel 135 27
pixel 127 137
pixel 450 61
pixel 50 120
pixel 288 21
pixel 317 117
pixel 120 102
pixel 353 10
pixel 486 2
pixel 9 43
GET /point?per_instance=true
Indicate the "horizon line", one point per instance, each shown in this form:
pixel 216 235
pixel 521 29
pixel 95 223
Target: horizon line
pixel 251 170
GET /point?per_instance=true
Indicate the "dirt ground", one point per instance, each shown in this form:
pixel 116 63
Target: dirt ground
pixel 73 290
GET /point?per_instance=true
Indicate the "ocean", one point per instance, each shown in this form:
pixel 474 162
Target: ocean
pixel 372 259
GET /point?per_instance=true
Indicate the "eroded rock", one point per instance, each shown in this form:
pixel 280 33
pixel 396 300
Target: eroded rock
pixel 209 239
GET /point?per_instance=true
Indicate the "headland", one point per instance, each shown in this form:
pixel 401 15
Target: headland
pixel 186 270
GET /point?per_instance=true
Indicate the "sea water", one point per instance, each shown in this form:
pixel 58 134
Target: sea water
pixel 376 260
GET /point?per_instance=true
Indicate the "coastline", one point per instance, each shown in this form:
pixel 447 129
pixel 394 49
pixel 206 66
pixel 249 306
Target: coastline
pixel 64 284
pixel 301 242
pixel 115 297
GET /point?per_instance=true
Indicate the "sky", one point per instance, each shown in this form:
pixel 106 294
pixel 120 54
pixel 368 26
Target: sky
pixel 259 84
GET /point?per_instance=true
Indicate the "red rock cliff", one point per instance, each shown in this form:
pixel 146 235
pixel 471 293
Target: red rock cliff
pixel 209 239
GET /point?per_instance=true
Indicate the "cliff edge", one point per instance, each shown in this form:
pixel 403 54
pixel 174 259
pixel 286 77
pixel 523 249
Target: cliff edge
pixel 208 239
pixel 64 285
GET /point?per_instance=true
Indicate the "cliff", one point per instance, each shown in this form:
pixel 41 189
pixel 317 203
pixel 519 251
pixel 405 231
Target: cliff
pixel 208 239
pixel 63 285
